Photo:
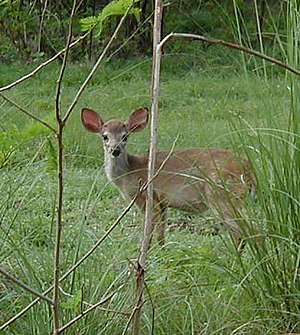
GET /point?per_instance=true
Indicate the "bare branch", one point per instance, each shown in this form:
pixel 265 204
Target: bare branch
pixel 94 69
pixel 84 313
pixel 151 165
pixel 128 39
pixel 78 263
pixel 232 46
pixel 108 310
pixel 34 117
pixel 63 66
pixel 40 67
pixel 25 286
pixel 132 315
pixel 57 247
pixel 42 16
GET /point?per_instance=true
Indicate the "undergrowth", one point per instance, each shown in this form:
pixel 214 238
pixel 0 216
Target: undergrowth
pixel 197 284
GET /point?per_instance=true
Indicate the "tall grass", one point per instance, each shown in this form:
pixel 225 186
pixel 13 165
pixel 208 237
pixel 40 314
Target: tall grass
pixel 197 284
pixel 200 273
pixel 271 267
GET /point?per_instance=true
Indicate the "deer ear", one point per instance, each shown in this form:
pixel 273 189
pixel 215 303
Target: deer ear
pixel 138 120
pixel 91 120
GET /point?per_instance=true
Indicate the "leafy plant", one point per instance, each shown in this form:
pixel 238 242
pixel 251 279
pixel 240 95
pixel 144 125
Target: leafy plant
pixel 114 8
pixel 15 143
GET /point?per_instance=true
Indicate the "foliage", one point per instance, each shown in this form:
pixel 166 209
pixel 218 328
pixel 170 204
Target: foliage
pixel 32 30
pixel 14 143
pixel 216 290
pixel 114 8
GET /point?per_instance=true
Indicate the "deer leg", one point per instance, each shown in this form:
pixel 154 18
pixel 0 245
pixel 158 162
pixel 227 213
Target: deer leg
pixel 227 207
pixel 158 217
pixel 159 221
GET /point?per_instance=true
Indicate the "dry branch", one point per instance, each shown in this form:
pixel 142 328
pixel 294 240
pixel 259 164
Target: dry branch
pixel 40 67
pixel 42 17
pixel 23 110
pixel 78 263
pixel 60 123
pixel 132 316
pixel 94 69
pixel 25 286
pixel 84 313
pixel 232 46
pixel 151 165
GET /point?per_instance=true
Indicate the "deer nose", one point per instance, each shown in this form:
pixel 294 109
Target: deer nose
pixel 116 152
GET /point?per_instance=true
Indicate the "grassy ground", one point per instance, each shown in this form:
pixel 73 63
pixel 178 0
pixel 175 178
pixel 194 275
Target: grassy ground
pixel 197 284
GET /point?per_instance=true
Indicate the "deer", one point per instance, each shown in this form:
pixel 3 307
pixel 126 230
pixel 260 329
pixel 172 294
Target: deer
pixel 192 179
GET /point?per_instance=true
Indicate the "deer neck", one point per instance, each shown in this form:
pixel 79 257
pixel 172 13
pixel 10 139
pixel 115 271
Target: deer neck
pixel 116 167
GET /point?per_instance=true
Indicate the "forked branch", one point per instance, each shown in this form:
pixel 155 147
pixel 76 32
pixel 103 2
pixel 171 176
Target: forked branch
pixel 60 126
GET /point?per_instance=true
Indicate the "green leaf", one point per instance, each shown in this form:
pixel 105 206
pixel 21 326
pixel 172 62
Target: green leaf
pixel 88 23
pixel 3 2
pixel 114 8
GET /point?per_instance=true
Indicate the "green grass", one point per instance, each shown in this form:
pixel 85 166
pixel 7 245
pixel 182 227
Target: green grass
pixel 197 284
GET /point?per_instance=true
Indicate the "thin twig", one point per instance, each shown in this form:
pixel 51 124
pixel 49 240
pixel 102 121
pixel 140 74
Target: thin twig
pixel 136 307
pixel 84 313
pixel 41 26
pixel 25 286
pixel 78 263
pixel 130 37
pixel 63 67
pixel 108 310
pixel 40 67
pixel 132 315
pixel 57 247
pixel 94 69
pixel 153 307
pixel 232 46
pixel 140 280
pixel 34 117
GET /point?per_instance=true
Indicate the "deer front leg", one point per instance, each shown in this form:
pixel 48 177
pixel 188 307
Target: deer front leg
pixel 159 222
pixel 228 208
pixel 158 217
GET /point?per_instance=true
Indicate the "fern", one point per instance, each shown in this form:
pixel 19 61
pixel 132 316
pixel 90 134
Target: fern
pixel 114 8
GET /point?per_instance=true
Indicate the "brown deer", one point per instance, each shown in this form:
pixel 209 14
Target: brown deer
pixel 191 180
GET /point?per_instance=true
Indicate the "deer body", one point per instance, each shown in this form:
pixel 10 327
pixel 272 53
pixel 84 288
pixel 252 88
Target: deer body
pixel 190 179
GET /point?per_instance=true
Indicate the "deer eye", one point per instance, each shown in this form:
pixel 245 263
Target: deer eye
pixel 105 137
pixel 125 138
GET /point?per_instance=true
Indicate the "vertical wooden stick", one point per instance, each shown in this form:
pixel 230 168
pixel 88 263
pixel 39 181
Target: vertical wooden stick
pixel 59 135
pixel 151 164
